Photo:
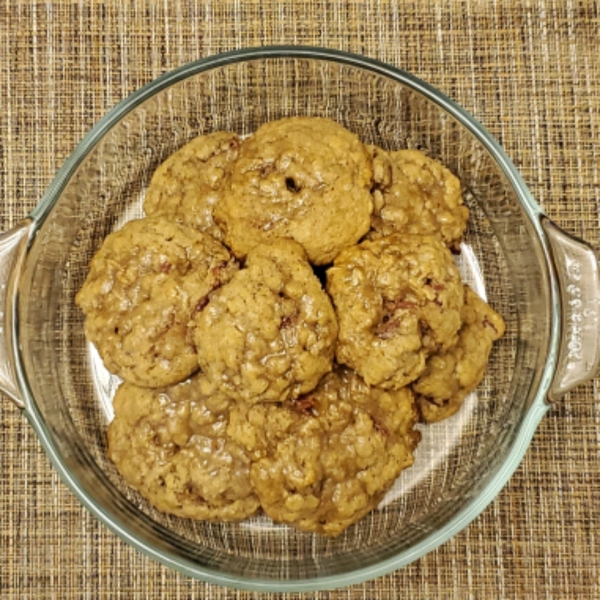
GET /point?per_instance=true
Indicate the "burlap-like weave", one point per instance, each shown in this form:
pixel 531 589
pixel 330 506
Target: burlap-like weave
pixel 528 70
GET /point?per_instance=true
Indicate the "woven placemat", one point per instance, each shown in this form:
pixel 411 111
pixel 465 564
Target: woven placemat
pixel 528 70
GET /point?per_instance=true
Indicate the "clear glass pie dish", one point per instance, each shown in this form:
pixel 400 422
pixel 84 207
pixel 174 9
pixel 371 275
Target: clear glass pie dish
pixel 544 283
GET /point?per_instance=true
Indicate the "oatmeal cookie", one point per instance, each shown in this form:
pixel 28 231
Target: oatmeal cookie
pixel 172 446
pixel 323 461
pixel 186 187
pixel 144 285
pixel 450 376
pixel 397 300
pixel 269 334
pixel 416 194
pixel 304 178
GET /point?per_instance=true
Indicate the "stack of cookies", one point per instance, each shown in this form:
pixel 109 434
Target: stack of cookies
pixel 283 316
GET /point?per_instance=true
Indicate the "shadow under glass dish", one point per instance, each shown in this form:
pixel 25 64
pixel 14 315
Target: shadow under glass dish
pixel 501 258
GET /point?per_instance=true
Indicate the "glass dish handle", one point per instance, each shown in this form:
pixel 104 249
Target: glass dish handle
pixel 13 248
pixel 577 268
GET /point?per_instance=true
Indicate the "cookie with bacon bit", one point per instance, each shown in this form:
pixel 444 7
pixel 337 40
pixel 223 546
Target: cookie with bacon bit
pixel 269 334
pixel 418 195
pixel 189 184
pixel 398 300
pixel 303 178
pixel 451 375
pixel 323 461
pixel 144 286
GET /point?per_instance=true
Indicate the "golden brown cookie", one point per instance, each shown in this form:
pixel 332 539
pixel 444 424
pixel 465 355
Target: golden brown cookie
pixel 325 460
pixel 144 285
pixel 416 194
pixel 304 178
pixel 397 300
pixel 186 187
pixel 269 334
pixel 172 446
pixel 451 375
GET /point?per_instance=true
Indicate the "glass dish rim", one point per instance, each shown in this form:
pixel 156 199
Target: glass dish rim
pixel 530 420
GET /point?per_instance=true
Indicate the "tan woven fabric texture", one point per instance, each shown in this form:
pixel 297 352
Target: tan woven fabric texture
pixel 529 70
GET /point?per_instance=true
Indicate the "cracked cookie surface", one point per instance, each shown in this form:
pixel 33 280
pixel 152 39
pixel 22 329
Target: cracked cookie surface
pixel 304 178
pixel 172 446
pixel 451 375
pixel 186 187
pixel 144 285
pixel 323 461
pixel 397 300
pixel 269 334
pixel 418 195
